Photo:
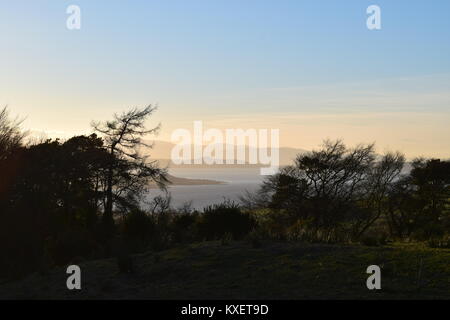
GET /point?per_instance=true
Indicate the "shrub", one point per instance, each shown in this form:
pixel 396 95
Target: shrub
pixel 184 227
pixel 256 238
pixel 125 263
pixel 373 240
pixel 138 229
pixel 299 231
pixel 69 245
pixel 440 243
pixel 220 219
pixel 226 239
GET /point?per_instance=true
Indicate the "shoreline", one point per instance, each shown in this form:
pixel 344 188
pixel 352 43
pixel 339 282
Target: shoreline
pixel 177 181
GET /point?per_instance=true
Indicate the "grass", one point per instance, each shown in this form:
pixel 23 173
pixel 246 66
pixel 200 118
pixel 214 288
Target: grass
pixel 210 270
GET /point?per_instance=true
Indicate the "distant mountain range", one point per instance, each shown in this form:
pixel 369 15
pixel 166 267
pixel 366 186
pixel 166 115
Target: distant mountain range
pixel 177 181
pixel 162 150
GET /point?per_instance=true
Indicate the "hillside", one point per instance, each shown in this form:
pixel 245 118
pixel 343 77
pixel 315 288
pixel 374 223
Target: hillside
pixel 238 271
pixel 177 181
pixel 162 150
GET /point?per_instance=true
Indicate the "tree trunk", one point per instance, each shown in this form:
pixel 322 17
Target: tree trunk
pixel 108 220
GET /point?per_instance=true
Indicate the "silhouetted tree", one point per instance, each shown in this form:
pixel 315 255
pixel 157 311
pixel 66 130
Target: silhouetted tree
pixel 128 171
pixel 379 183
pixel 419 205
pixel 336 190
pixel 11 136
pixel 50 203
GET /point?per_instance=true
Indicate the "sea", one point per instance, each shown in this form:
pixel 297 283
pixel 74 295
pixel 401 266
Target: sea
pixel 237 182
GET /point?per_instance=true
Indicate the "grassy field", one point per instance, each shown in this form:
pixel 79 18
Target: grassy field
pixel 211 270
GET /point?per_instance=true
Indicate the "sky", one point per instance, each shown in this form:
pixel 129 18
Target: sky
pixel 311 69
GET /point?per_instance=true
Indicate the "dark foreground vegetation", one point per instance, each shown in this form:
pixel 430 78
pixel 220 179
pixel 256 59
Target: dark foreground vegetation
pixel 237 270
pixel 65 202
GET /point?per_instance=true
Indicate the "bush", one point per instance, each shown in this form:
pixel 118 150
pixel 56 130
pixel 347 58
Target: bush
pixel 125 263
pixel 225 218
pixel 138 229
pixel 276 225
pixel 256 238
pixel 184 227
pixel 373 240
pixel 299 231
pixel 69 245
pixel 440 243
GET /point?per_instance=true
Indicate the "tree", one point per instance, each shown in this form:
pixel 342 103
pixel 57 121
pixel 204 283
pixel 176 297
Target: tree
pixel 128 171
pixel 338 191
pixel 11 139
pixel 335 175
pixel 83 162
pixel 419 204
pixel 11 135
pixel 49 202
pixel 380 181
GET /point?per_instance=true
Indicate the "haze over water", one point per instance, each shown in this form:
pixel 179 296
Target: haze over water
pixel 238 180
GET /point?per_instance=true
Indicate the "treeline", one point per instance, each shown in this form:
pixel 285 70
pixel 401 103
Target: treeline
pixel 60 200
pixel 341 194
pixel 65 201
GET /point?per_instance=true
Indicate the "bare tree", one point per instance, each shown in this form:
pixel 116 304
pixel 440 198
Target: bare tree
pixel 378 184
pixel 11 135
pixel 129 171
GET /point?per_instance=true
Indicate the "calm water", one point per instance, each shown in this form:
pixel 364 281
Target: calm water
pixel 237 182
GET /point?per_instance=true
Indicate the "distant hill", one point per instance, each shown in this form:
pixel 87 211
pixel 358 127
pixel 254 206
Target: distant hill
pixel 162 150
pixel 177 181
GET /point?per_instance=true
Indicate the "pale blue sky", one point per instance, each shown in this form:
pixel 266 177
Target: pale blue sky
pixel 237 60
